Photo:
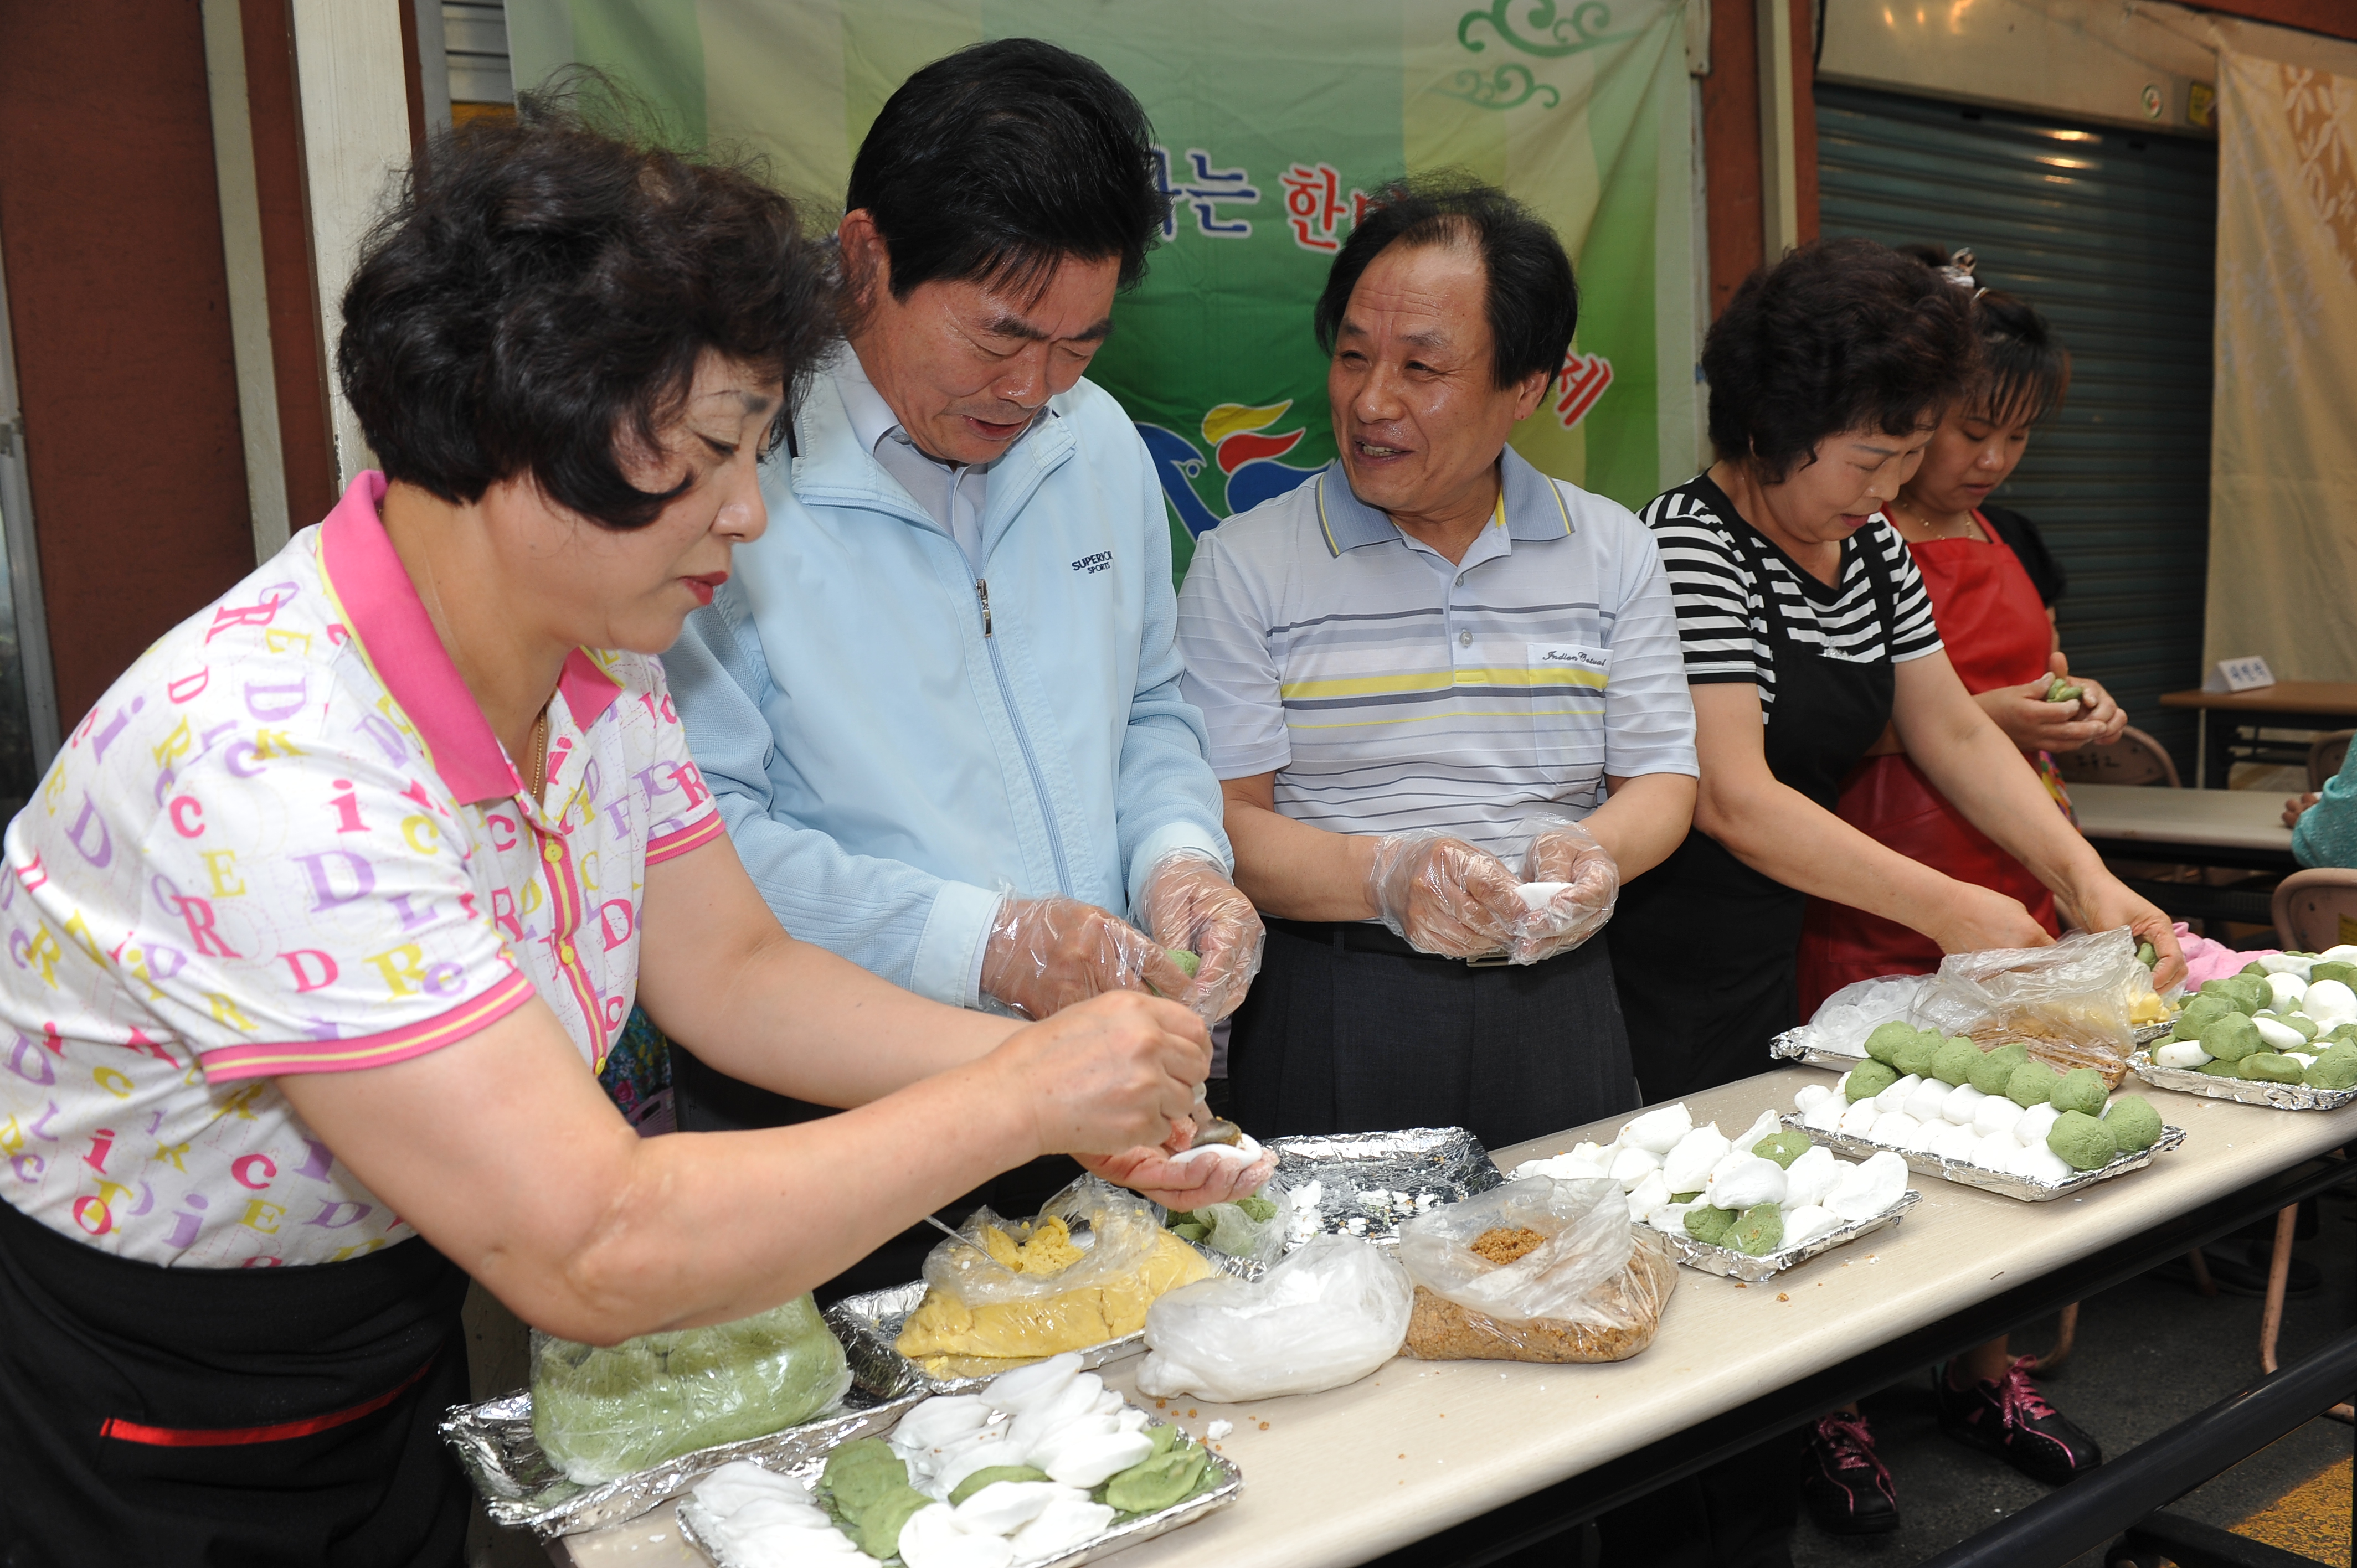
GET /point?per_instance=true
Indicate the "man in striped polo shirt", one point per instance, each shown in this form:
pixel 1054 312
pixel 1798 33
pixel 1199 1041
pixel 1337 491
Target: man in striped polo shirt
pixel 1447 706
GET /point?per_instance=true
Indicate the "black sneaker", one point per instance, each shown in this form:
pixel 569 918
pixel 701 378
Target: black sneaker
pixel 1845 1482
pixel 2010 1419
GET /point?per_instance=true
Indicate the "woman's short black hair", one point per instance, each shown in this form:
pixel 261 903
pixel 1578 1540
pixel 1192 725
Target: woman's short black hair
pixel 996 163
pixel 537 298
pixel 1840 335
pixel 1530 298
pixel 2025 368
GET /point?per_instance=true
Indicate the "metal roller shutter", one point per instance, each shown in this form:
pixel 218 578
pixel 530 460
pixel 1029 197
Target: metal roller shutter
pixel 2112 234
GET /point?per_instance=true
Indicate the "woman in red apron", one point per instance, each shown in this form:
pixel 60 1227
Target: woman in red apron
pixel 1992 586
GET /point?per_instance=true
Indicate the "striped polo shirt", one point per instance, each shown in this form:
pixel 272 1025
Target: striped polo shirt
pixel 1722 603
pixel 1388 689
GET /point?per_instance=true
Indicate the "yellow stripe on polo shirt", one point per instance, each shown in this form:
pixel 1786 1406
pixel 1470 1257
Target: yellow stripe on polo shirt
pixel 1440 680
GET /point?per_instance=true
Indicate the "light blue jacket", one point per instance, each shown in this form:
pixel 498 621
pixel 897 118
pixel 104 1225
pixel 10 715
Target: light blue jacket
pixel 887 758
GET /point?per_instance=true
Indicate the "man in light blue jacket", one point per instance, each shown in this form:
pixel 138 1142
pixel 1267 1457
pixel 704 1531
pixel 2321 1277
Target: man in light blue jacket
pixel 939 702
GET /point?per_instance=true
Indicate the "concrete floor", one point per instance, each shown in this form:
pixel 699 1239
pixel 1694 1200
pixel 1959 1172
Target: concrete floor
pixel 2150 1354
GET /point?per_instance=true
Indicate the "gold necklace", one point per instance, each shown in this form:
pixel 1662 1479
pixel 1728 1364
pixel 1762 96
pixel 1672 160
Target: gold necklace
pixel 540 752
pixel 1938 529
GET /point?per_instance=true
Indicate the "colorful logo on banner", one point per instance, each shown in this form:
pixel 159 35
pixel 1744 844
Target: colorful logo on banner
pixel 1246 467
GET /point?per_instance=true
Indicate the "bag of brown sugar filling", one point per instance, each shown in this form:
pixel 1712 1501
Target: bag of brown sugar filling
pixel 1537 1269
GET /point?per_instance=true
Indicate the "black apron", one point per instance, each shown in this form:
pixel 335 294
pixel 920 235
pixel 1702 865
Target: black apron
pixel 188 1418
pixel 1349 1029
pixel 1705 949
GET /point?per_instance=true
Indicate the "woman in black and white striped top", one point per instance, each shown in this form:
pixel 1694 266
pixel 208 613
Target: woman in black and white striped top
pixel 1806 629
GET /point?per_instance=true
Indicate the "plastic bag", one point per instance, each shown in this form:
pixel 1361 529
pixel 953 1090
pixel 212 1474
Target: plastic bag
pixel 1232 1230
pixel 1082 1272
pixel 599 1412
pixel 1332 1312
pixel 1585 1287
pixel 1843 1020
pixel 2072 1003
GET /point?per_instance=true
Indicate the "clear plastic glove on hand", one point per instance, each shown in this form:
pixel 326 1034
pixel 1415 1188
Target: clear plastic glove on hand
pixel 1177 1184
pixel 1044 954
pixel 1191 907
pixel 1562 852
pixel 1443 895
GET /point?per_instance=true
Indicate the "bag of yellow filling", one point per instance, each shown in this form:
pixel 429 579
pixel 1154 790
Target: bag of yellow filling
pixel 1082 1272
pixel 1537 1269
pixel 599 1412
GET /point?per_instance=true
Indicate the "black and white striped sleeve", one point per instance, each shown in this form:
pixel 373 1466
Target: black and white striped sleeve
pixel 1916 633
pixel 1711 589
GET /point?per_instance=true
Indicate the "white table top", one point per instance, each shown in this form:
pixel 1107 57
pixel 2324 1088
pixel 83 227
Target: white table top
pixel 2229 819
pixel 1345 1475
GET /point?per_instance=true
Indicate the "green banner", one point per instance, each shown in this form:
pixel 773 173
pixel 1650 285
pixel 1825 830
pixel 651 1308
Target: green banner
pixel 1274 122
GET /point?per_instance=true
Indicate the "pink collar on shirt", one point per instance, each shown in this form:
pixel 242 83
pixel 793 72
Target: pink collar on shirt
pixel 391 622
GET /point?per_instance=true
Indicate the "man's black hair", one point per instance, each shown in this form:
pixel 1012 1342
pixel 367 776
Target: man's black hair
pixel 995 164
pixel 1530 298
pixel 537 299
pixel 1840 335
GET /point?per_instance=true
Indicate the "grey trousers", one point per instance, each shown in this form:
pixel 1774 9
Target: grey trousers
pixel 1337 1040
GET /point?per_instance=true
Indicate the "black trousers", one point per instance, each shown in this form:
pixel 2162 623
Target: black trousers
pixel 190 1418
pixel 1349 1030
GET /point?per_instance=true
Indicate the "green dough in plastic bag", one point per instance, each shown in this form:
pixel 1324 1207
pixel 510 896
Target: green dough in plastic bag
pixel 603 1412
pixel 1157 1480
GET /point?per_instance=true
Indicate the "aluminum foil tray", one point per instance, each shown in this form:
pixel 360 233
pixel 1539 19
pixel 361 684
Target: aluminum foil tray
pixel 523 1490
pixel 1800 1046
pixel 1447 1164
pixel 1735 1265
pixel 2282 1096
pixel 1987 1180
pixel 1122 1536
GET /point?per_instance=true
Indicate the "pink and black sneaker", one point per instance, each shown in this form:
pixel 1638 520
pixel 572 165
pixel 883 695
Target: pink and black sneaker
pixel 1845 1482
pixel 2010 1419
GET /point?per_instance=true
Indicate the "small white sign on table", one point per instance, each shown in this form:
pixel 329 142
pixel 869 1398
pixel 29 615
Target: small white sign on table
pixel 2239 675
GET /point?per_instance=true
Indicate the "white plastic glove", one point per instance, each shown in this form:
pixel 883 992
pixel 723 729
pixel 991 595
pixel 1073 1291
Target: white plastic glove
pixel 1563 851
pixel 1190 905
pixel 1044 954
pixel 1443 895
